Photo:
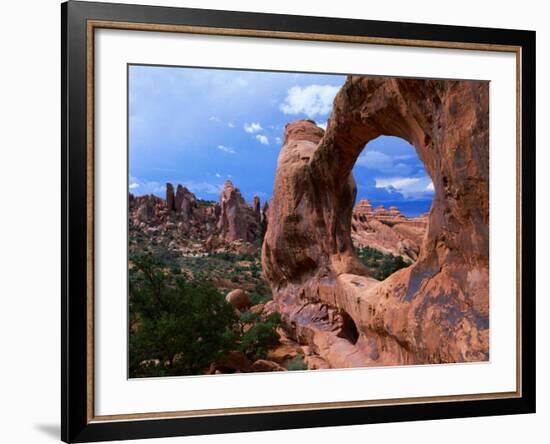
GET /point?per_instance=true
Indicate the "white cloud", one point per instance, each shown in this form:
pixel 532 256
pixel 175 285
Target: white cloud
pixel 380 161
pixel 399 183
pixel 226 149
pixel 218 175
pixel 322 125
pixel 203 187
pixel 146 187
pixel 231 125
pixel 430 186
pixel 375 160
pixel 153 187
pixel 403 157
pixel 253 127
pixel 312 100
pixel 278 140
pixel 400 168
pixel 408 186
pixel 214 119
pixel 262 139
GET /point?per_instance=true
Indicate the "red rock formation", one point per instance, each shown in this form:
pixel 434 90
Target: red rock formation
pixel 264 218
pixel 263 365
pixel 256 208
pixel 145 209
pixel 185 202
pixel 231 223
pixel 179 216
pixel 388 231
pixel 170 198
pixel 363 208
pixel 237 220
pixel 436 310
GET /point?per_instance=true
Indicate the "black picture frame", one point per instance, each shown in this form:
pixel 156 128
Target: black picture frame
pixel 76 424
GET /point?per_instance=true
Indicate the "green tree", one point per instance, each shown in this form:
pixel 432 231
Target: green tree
pixel 389 265
pixel 177 328
pixel 297 363
pixel 259 339
pixel 381 265
pixel 262 336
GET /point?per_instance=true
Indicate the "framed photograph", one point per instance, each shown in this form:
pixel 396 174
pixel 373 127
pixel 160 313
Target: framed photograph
pixel 275 221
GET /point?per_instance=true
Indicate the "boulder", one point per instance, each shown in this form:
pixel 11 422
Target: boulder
pixel 239 299
pixel 232 362
pixel 170 198
pixel 263 365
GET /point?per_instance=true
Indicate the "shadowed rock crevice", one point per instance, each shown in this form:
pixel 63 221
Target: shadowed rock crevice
pixel 349 329
pixel 434 311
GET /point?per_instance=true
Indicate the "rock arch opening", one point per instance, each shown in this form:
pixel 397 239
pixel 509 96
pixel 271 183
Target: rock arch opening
pixel 431 312
pixel 393 198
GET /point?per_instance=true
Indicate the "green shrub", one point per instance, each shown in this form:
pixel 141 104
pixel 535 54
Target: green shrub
pixel 380 264
pixel 257 298
pixel 224 256
pixel 297 363
pixel 257 341
pixel 262 336
pixel 184 326
pixel 389 265
pixel 247 317
pixel 206 203
pixel 180 323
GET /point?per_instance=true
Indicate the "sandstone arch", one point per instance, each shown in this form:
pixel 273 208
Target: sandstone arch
pixel 433 311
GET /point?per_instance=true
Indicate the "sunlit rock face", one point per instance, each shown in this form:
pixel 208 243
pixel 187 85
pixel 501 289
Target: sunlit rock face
pixel 238 221
pixel 434 311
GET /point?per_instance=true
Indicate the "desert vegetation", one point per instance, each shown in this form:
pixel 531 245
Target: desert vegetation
pixel 198 299
pixel 180 326
pixel 380 265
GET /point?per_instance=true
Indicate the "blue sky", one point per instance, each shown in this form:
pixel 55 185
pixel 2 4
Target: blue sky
pixel 200 127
